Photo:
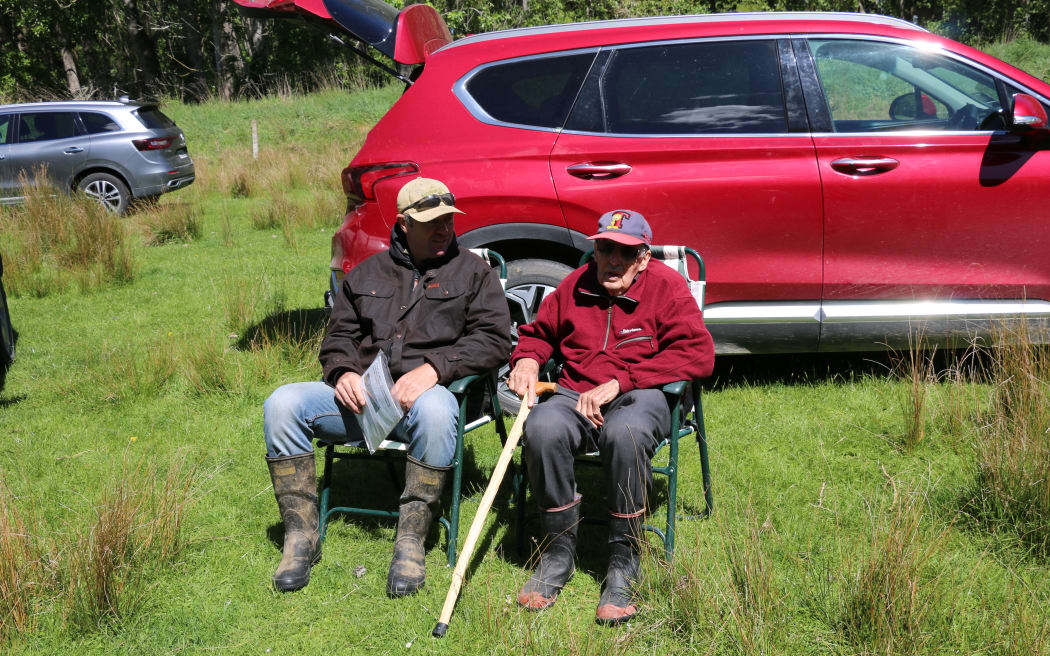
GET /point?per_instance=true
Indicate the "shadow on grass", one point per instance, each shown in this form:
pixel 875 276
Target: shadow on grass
pixel 808 368
pixel 7 401
pixel 298 327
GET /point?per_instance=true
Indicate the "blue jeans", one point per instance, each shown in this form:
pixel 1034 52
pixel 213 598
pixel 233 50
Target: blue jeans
pixel 299 413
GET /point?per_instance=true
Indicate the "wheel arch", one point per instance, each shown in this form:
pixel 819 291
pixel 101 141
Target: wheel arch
pixel 80 175
pixel 522 240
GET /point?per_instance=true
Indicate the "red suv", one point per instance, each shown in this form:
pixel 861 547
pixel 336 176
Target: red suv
pixel 847 177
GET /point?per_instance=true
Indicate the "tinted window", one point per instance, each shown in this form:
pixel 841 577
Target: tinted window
pixel 536 92
pixel 874 86
pixel 96 123
pixel 154 119
pixel 43 126
pixel 695 88
pixel 5 127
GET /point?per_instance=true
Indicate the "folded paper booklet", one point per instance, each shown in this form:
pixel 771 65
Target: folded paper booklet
pixel 381 412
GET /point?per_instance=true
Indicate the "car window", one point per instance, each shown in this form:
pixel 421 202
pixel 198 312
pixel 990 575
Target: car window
pixel 154 119
pixel 5 127
pixel 43 126
pixel 877 86
pixel 536 92
pixel 96 123
pixel 695 88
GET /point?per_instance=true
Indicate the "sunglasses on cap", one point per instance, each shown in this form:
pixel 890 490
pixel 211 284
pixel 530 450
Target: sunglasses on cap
pixel 607 246
pixel 430 202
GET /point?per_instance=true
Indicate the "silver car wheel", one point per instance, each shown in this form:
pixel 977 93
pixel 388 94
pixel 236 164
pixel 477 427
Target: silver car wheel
pixel 105 193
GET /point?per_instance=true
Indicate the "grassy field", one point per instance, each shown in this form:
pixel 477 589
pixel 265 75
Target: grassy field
pixel 858 509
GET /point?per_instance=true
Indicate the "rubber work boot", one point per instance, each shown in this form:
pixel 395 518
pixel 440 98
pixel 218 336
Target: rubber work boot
pixel 295 486
pixel 617 602
pixel 556 559
pixel 420 503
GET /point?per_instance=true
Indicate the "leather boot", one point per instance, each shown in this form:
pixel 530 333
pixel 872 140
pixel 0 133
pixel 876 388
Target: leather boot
pixel 420 503
pixel 295 486
pixel 617 601
pixel 556 559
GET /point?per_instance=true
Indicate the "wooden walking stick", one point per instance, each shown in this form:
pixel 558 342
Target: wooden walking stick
pixel 483 511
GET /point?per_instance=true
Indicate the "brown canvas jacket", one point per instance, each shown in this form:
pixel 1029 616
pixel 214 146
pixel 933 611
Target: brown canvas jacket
pixel 453 314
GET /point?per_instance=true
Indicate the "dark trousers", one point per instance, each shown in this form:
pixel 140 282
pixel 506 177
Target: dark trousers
pixel 635 423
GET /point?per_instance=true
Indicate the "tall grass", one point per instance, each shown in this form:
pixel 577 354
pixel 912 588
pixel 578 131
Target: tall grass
pixel 888 592
pixel 25 577
pixel 917 368
pixel 1013 443
pixel 178 221
pixel 54 241
pixel 138 527
pixel 98 572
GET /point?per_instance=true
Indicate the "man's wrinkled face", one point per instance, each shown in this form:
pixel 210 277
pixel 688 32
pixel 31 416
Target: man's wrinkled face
pixel 428 240
pixel 618 264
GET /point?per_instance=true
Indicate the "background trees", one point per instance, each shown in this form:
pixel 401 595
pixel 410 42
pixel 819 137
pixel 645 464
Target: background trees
pixel 193 49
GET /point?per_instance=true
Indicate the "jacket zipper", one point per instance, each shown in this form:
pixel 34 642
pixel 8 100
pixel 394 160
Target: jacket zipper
pixel 634 339
pixel 608 325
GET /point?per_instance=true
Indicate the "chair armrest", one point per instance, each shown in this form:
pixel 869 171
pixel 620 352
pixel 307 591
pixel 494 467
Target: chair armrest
pixel 461 385
pixel 676 387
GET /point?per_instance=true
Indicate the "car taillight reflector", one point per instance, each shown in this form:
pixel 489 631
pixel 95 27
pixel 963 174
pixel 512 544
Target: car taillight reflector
pixel 360 181
pixel 153 143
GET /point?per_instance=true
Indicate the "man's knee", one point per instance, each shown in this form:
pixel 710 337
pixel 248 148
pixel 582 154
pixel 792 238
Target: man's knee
pixel 436 407
pixel 545 429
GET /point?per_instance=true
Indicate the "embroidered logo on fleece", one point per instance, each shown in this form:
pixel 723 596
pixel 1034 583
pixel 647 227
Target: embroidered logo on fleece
pixel 628 331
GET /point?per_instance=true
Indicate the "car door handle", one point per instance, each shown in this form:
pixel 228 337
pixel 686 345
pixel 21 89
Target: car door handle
pixel 598 170
pixel 864 165
pixel 73 150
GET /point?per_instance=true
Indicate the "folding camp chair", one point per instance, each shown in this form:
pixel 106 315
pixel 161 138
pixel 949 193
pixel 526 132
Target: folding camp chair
pixel 687 418
pixel 474 393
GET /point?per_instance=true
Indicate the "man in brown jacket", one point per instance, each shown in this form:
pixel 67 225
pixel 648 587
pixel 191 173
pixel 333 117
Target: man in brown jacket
pixel 438 313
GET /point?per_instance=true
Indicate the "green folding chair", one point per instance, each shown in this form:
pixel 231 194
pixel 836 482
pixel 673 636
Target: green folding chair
pixel 476 395
pixel 687 418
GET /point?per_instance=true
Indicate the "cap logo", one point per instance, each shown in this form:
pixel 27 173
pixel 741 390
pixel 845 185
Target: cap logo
pixel 616 220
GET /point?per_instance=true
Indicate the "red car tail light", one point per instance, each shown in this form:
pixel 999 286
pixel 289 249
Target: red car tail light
pixel 359 181
pixel 153 143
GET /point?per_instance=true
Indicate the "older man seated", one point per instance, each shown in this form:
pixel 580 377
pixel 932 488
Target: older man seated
pixel 622 326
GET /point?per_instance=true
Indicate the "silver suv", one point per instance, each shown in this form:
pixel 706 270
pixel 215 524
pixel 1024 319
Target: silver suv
pixel 116 152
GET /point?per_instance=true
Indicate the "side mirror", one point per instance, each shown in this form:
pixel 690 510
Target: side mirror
pixel 1028 114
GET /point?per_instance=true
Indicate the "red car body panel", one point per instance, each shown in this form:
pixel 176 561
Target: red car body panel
pixel 751 206
pixel 958 218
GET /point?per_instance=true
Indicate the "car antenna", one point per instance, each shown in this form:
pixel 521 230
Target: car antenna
pixel 372 59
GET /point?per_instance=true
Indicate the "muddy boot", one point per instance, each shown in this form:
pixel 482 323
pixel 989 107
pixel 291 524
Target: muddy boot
pixel 420 503
pixel 556 559
pixel 617 602
pixel 295 486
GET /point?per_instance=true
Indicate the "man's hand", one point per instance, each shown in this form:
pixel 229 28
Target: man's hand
pixel 350 392
pixel 523 378
pixel 592 400
pixel 408 387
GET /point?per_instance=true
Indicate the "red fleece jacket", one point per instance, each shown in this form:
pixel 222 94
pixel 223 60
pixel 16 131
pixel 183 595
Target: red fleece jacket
pixel 651 336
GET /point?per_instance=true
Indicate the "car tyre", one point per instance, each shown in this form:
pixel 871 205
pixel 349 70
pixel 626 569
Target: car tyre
pixel 109 190
pixel 530 280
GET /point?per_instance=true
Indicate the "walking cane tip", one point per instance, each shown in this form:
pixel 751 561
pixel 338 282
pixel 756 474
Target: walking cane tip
pixel 439 630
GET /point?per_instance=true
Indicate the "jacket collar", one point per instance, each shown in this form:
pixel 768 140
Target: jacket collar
pixel 588 286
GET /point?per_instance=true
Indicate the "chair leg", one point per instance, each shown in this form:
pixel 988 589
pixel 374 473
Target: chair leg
pixel 701 441
pixel 672 496
pixel 326 488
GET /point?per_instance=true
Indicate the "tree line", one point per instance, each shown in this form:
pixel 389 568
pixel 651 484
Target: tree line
pixel 197 49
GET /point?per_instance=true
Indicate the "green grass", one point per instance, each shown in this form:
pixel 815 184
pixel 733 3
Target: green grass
pixel 828 535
